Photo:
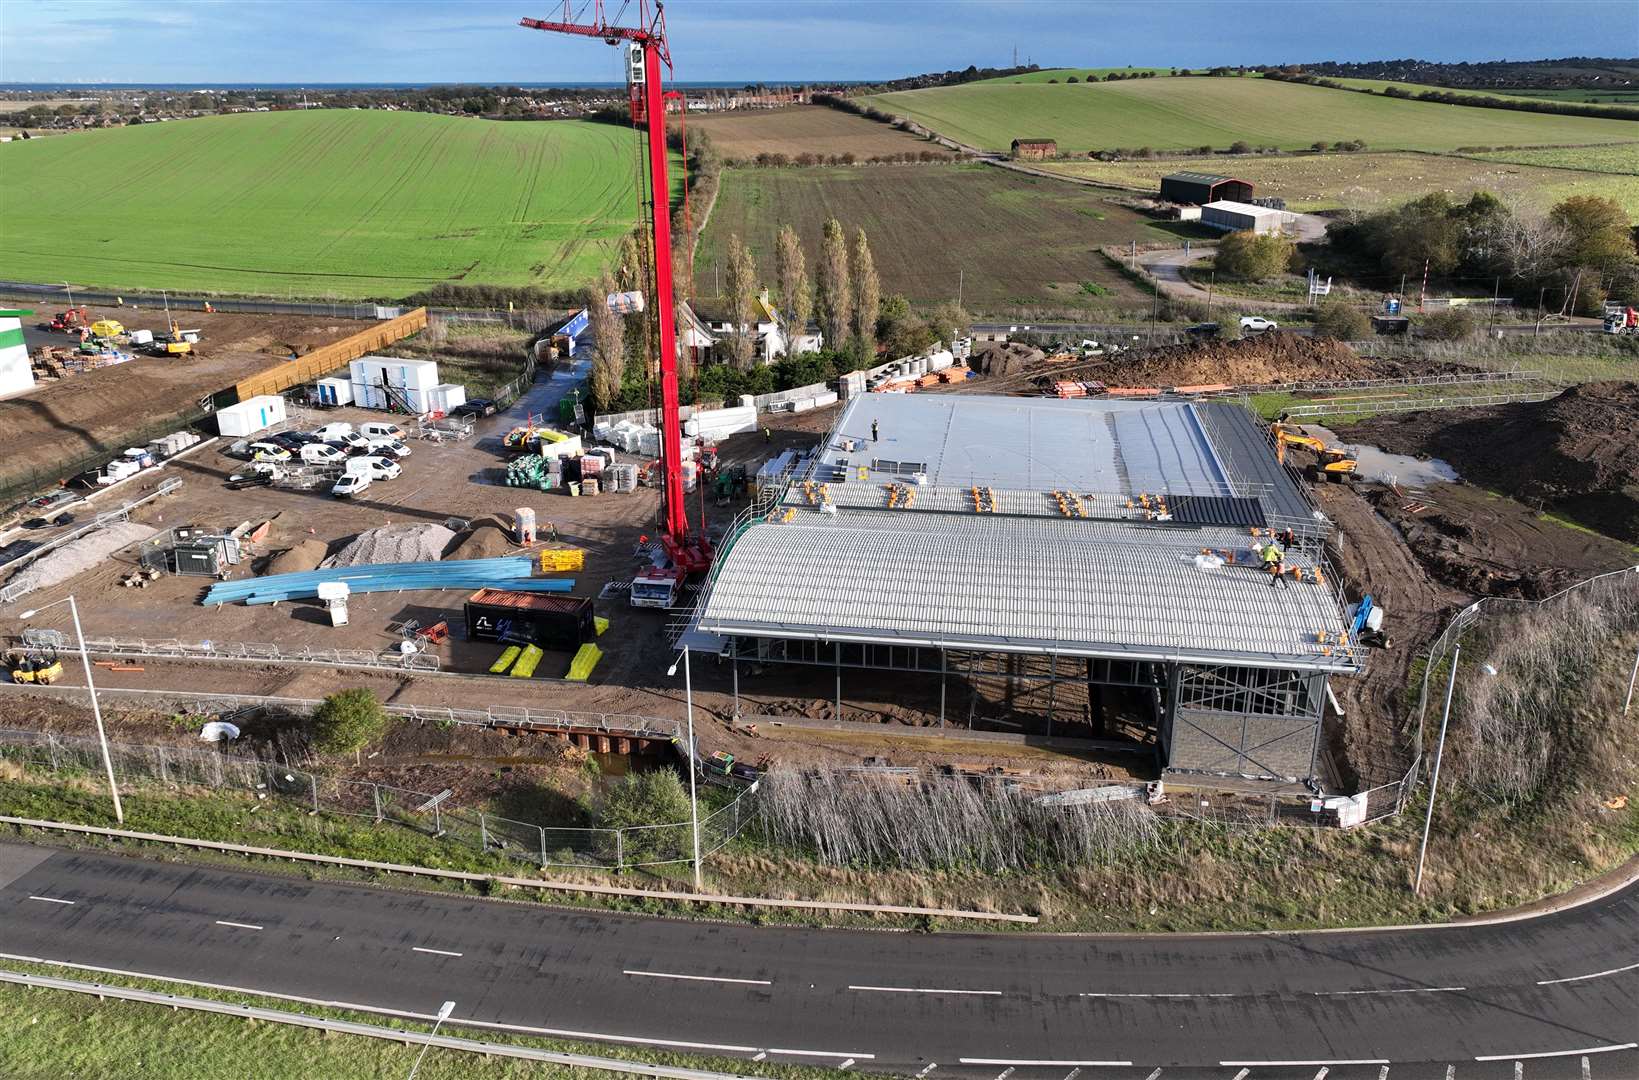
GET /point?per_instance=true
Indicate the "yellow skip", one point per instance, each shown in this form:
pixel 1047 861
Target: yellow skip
pixel 525 667
pixel 586 658
pixel 562 559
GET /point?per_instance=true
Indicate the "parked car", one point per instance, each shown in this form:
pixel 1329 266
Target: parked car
pixel 381 429
pixel 56 500
pixel 350 485
pixel 351 442
pixel 266 451
pixel 49 522
pixel 322 454
pixel 475 407
pixel 1257 324
pixel 376 468
pixel 384 447
pixel 332 431
pixel 239 481
pixel 292 440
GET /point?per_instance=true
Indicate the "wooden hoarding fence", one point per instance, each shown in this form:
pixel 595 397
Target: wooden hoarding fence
pixel 325 359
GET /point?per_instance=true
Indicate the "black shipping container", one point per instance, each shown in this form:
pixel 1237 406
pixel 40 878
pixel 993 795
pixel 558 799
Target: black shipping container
pixel 550 620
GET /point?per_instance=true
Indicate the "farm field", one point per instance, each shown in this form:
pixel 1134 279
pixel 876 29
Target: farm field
pixel 1362 181
pixel 1016 241
pixel 1182 113
pixel 329 203
pixel 1052 75
pixel 1620 159
pixel 806 129
pixel 1379 85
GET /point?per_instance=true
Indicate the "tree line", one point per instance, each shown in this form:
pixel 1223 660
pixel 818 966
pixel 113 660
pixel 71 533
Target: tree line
pixel 1447 97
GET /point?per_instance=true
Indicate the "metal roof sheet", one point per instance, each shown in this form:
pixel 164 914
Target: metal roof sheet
pixel 1017 584
pixel 1200 178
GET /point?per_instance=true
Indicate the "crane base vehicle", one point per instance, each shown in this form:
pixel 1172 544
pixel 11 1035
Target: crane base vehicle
pixel 1622 321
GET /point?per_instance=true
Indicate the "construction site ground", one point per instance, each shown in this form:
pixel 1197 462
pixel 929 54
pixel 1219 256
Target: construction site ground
pixel 98 410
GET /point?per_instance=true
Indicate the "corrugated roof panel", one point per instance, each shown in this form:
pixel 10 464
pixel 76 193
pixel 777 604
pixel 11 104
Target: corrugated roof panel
pixel 1216 510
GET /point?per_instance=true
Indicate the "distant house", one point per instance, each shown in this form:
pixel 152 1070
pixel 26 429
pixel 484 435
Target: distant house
pixel 1035 149
pixel 1198 188
pixel 701 335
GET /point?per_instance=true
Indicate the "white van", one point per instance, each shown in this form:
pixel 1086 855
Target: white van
pixel 376 468
pixel 388 447
pixel 332 432
pixel 322 454
pixel 350 485
pixel 381 429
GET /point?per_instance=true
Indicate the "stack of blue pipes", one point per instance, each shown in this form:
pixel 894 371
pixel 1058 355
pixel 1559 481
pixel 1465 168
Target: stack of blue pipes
pixel 507 572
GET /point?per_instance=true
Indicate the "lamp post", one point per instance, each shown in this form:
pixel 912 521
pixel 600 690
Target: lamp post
pixel 1434 781
pixel 96 710
pixel 694 762
pixel 443 1015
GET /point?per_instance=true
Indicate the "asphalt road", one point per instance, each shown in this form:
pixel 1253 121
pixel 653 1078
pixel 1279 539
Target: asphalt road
pixel 1556 996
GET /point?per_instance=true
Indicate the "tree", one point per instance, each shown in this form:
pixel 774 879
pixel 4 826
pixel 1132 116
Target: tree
pixel 1342 323
pixel 348 720
pixel 867 294
pixel 1454 324
pixel 1597 232
pixel 608 332
pixel 833 297
pixel 742 295
pixel 949 321
pixel 791 277
pixel 1421 232
pixel 1240 146
pixel 1253 257
pixel 648 798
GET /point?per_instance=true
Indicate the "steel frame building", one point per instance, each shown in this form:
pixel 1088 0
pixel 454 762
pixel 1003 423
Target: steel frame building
pixel 1054 545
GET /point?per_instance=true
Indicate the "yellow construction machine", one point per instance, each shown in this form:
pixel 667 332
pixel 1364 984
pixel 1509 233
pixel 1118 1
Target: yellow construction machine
pixel 1331 462
pixel 34 666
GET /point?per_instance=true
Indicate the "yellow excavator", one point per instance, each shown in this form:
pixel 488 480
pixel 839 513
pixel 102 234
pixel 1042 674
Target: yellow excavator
pixel 1331 462
pixel 34 666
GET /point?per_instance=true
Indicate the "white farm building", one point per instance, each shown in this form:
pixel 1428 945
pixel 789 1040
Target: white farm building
pixel 1245 217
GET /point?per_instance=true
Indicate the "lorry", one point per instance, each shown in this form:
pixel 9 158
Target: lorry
pixel 1621 320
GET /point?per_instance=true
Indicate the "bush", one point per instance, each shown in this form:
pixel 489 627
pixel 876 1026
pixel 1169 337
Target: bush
pixel 1250 257
pixel 648 798
pixel 1453 325
pixel 348 720
pixel 1240 146
pixel 1342 322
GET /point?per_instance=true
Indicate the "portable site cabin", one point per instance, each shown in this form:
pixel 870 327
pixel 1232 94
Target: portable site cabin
pixel 249 417
pixel 16 376
pixel 446 396
pixel 388 382
pixel 335 392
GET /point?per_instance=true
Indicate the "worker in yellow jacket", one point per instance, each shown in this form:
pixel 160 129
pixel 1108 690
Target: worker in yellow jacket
pixel 1274 562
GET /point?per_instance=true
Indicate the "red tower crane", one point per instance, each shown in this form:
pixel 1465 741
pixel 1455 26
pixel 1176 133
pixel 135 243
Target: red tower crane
pixel 689 552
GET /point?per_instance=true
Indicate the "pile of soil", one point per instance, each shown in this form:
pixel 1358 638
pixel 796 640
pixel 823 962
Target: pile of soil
pixel 1577 453
pixel 303 557
pixel 487 538
pixel 1267 358
pixel 1004 358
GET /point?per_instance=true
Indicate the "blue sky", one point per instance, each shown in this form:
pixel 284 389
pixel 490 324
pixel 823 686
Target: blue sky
pixel 479 41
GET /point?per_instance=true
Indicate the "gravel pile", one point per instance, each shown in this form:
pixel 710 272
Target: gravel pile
pixel 394 544
pixel 78 556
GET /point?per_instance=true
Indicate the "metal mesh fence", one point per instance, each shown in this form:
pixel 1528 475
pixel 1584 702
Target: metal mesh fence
pixel 384 804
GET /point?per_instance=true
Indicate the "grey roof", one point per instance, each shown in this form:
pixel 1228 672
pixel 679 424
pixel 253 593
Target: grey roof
pixel 1087 588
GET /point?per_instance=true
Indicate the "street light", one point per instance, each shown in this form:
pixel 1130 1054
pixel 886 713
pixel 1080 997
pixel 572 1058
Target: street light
pixel 444 1011
pixel 694 763
pixel 96 710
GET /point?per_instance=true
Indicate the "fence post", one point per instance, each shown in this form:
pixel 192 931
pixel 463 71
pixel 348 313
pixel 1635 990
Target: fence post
pixel 542 831
pixel 1631 677
pixel 164 769
pixel 483 832
pixel 620 850
pixel 51 748
pixel 375 795
pixel 313 784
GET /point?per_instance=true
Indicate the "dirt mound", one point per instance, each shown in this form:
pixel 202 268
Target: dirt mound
pixel 305 556
pixel 1577 453
pixel 1005 358
pixel 1268 358
pixel 488 538
pixel 394 544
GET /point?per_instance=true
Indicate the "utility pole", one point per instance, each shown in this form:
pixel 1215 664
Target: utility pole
pixel 1434 781
pixel 961 272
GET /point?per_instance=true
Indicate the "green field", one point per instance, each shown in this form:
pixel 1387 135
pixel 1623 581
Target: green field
pixel 1052 75
pixel 1310 182
pixel 1379 85
pixel 1181 113
pixel 344 203
pixel 1621 159
pixel 1008 241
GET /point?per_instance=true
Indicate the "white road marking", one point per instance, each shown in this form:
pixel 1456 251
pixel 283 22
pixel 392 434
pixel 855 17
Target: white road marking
pixel 53 900
pixel 1072 1074
pixel 1242 1074
pixel 1383 1073
pixel 1560 1053
pixel 1156 1075
pixel 1034 1061
pixel 435 952
pixel 1324 1069
pixel 237 925
pixel 1519 1070
pixel 697 978
pixel 1117 995
pixel 924 990
pixel 822 1053
pixel 1590 975
pixel 845 1064
pixel 1451 1072
pixel 929 1067
pixel 1587 1070
pixel 1005 1073
pixel 761 1054
pixel 1397 990
pixel 1296 1064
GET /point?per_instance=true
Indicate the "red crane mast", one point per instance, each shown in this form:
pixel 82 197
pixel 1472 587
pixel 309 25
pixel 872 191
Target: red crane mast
pixel 688 553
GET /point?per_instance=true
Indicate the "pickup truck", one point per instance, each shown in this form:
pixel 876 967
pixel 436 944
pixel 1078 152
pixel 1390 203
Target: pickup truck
pixel 1257 324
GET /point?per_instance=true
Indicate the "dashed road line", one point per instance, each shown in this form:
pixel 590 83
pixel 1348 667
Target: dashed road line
pixel 434 952
pixel 1590 975
pixel 1156 1075
pixel 1242 1074
pixel 845 1064
pixel 1005 1073
pixel 1383 1073
pixel 1123 995
pixel 238 925
pixel 823 1053
pixel 1299 1064
pixel 53 900
pixel 696 978
pixel 1587 1070
pixel 760 1055
pixel 929 1067
pixel 1451 1072
pixel 1072 1074
pixel 1324 1069
pixel 1394 990
pixel 1613 1048
pixel 1038 1061
pixel 924 990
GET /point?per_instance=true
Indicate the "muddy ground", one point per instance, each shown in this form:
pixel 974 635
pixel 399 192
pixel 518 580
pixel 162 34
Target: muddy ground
pixel 103 409
pixel 1576 454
